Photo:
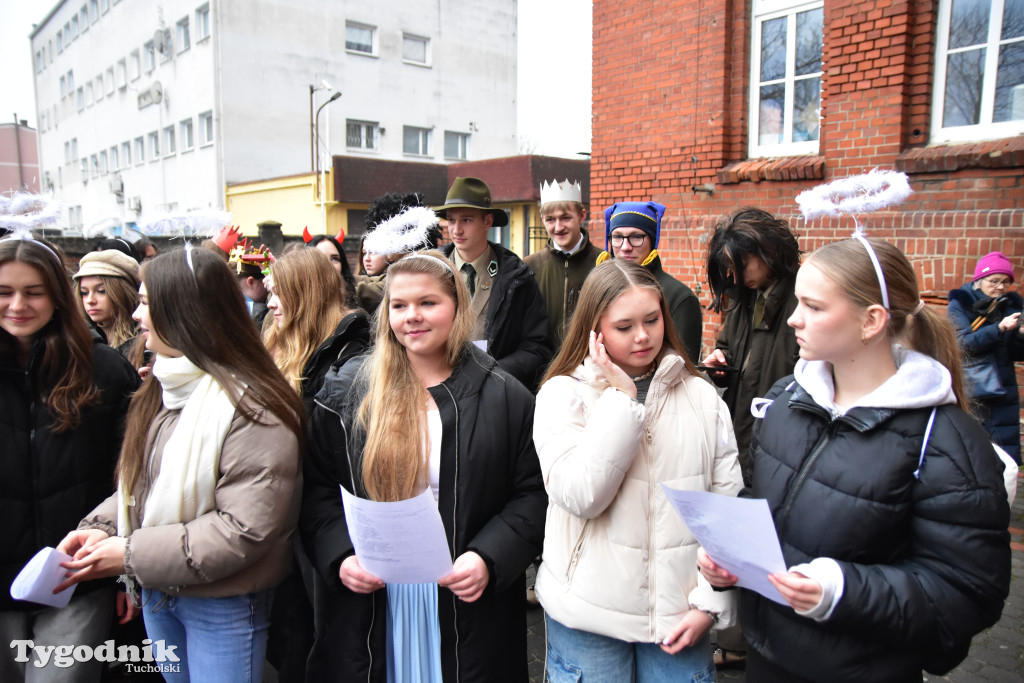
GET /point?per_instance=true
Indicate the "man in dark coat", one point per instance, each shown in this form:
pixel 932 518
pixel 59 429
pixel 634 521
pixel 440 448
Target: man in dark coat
pixel 632 232
pixel 506 300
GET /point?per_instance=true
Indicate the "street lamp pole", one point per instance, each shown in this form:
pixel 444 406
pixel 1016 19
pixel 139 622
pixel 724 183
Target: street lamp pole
pixel 322 175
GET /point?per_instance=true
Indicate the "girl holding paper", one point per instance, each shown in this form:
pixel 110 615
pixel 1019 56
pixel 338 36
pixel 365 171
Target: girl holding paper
pixel 208 480
pixel 887 495
pixel 621 411
pixel 426 409
pixel 63 400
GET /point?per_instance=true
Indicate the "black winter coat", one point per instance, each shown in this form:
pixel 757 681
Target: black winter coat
pixel 350 338
pixel 50 481
pixel 491 499
pixel 516 325
pixel 926 562
pixel 999 414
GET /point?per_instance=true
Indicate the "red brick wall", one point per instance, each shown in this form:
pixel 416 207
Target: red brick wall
pixel 670 90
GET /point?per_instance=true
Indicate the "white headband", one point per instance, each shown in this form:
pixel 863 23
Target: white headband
pixel 24 235
pixel 432 258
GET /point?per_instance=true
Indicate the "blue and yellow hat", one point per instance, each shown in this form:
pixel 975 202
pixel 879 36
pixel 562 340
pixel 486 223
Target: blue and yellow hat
pixel 644 216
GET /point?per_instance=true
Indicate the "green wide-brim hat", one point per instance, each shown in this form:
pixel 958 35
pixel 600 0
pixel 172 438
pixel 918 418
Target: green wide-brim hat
pixel 471 193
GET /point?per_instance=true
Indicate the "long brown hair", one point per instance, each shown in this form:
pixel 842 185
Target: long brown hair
pixel 394 464
pixel 64 372
pixel 196 307
pixel 603 286
pixel 847 263
pixel 309 289
pixel 124 299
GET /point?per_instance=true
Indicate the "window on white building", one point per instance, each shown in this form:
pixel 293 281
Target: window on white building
pixel 360 38
pixel 80 99
pixel 104 6
pixel 456 145
pixel 134 65
pixel 154 145
pixel 88 94
pixel 785 78
pixel 415 49
pixel 70 35
pixel 113 158
pixel 206 128
pixel 979 70
pixel 169 146
pixel 140 151
pixel 74 148
pixel 416 140
pixel 85 170
pixel 202 23
pixel 63 87
pixel 185 135
pixel 103 163
pixel 110 81
pixel 83 15
pixel 149 56
pixel 67 152
pixel 362 134
pixel 126 154
pixel 122 73
pixel 182 35
pixel 94 164
pixel 94 10
pixel 60 40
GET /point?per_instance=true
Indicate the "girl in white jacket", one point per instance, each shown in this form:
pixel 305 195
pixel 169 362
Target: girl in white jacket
pixel 622 410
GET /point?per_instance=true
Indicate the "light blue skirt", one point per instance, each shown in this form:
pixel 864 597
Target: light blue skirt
pixel 414 634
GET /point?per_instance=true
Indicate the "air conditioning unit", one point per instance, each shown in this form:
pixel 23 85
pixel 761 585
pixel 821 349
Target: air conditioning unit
pixel 135 204
pixel 116 185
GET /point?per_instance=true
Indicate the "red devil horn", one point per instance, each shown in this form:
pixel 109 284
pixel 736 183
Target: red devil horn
pixel 306 237
pixel 341 236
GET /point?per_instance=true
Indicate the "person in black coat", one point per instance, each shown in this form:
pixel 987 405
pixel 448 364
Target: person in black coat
pixel 63 400
pixel 886 494
pixel 478 460
pixel 987 320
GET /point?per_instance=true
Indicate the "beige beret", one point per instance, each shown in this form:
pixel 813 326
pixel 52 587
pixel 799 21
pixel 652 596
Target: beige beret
pixel 109 263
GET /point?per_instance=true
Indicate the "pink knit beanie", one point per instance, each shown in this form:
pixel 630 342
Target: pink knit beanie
pixel 992 264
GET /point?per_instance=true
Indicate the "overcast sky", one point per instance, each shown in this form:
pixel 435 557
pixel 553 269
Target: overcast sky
pixel 554 71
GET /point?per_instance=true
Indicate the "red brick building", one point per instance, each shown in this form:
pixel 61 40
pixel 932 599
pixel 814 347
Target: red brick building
pixel 708 106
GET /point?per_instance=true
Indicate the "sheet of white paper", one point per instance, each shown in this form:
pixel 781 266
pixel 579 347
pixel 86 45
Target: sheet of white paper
pixel 737 533
pixel 401 542
pixel 481 344
pixel 36 581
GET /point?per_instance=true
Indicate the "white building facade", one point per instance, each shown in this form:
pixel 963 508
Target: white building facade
pixel 149 107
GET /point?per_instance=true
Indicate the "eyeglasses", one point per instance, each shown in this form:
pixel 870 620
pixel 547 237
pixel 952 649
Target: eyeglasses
pixel 1001 282
pixel 635 240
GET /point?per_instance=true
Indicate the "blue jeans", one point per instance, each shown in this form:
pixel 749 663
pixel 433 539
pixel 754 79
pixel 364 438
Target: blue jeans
pixel 583 657
pixel 222 640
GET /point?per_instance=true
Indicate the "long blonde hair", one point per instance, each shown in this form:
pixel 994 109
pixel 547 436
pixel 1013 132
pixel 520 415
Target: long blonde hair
pixel 602 287
pixel 393 411
pixel 847 263
pixel 308 287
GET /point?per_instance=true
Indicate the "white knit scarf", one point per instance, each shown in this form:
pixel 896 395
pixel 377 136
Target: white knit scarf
pixel 189 466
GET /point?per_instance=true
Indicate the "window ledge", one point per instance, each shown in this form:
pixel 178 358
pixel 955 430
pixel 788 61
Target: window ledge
pixel 807 167
pixel 1004 153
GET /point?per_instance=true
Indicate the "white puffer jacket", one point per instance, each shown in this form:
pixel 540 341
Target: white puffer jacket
pixel 618 561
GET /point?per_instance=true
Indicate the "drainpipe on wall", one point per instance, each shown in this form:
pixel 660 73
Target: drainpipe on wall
pixel 17 144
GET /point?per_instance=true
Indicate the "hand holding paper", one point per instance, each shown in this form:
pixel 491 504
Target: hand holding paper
pixel 40 576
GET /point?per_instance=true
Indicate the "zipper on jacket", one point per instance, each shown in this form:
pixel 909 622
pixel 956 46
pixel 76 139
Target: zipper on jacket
pixel 565 295
pixel 369 635
pixel 348 449
pixel 805 470
pixel 455 530
pixel 577 551
pixel 652 560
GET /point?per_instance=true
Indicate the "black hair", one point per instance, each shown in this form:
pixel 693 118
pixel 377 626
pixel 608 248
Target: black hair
pixel 118 244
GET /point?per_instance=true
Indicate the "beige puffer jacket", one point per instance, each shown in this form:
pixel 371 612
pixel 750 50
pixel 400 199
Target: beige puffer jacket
pixel 242 546
pixel 618 561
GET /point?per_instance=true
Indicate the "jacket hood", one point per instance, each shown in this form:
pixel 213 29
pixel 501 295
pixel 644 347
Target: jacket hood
pixel 920 382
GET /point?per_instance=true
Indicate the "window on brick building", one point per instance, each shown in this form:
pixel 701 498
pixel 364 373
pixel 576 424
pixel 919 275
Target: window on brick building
pixel 979 70
pixel 785 78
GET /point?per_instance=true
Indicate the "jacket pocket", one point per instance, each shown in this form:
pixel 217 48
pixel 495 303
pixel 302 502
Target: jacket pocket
pixel 577 552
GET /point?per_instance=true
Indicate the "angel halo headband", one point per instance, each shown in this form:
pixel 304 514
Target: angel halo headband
pixel 856 195
pixel 402 233
pixel 23 211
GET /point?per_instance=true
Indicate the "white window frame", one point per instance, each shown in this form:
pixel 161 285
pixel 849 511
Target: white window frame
pixel 986 128
pixel 60 41
pixel 113 159
pixel 373 145
pixel 122 74
pixel 186 135
pixel 373 38
pixel 423 143
pixel 135 65
pixel 426 49
pixel 140 151
pixel 170 146
pixel 103 162
pixel 149 56
pixel 182 37
pixel 206 128
pixel 63 87
pixel 126 154
pixel 767 10
pixel 104 6
pixel 84 18
pixel 94 11
pixel 80 98
pixel 153 142
pixel 202 23
pixel 463 143
pixel 110 80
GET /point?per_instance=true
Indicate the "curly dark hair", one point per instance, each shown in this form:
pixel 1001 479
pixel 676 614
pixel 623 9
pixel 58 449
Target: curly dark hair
pixel 748 231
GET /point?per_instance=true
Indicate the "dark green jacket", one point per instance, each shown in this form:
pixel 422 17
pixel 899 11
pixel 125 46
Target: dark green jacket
pixel 560 278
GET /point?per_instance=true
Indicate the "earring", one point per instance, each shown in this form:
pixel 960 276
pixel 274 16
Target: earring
pixel 864 339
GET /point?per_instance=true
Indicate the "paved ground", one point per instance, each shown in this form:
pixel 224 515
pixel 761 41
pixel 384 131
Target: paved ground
pixel 996 655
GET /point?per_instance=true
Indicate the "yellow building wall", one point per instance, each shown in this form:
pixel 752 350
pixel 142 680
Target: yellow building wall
pixel 291 201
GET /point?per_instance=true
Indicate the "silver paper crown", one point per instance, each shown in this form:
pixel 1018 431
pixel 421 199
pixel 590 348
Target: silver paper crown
pixel 560 192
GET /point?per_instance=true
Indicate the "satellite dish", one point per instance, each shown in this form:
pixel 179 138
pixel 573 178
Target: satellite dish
pixel 156 92
pixel 159 40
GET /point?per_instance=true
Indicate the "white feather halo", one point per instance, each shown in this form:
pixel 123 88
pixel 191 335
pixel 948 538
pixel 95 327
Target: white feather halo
pixel 401 233
pixel 855 195
pixel 198 223
pixel 26 211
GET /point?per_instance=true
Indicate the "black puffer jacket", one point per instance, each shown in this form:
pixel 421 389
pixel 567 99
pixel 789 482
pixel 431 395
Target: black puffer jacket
pixel 925 561
pixel 491 499
pixel 350 338
pixel 999 414
pixel 50 481
pixel 516 325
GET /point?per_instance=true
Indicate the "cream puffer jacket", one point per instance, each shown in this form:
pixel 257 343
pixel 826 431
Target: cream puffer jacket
pixel 618 561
